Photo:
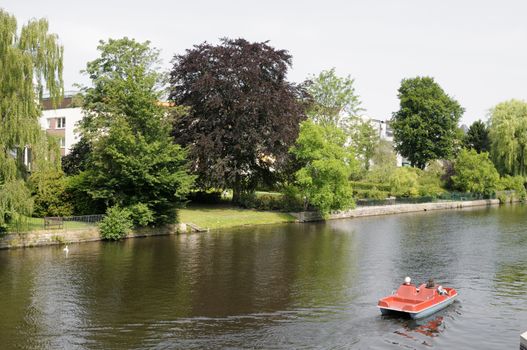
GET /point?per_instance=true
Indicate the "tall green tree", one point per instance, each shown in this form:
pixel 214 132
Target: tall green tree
pixel 477 137
pixel 364 139
pixel 133 159
pixel 244 114
pixel 425 126
pixel 30 63
pixel 508 137
pixel 328 163
pixel 384 161
pixel 334 100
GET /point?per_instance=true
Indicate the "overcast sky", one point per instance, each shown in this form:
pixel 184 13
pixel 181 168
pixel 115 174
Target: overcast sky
pixel 476 50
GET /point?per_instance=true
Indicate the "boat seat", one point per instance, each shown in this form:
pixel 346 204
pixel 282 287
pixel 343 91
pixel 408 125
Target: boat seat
pixel 407 291
pixel 411 293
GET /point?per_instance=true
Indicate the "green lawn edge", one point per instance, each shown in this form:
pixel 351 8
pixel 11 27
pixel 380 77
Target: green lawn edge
pixel 214 217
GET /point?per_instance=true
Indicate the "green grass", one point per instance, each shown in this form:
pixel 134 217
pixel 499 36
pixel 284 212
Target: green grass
pixel 224 216
pixel 26 224
pixel 37 224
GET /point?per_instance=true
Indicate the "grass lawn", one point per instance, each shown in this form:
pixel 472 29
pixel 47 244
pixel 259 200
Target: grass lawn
pixel 222 216
pixel 36 224
pixel 26 224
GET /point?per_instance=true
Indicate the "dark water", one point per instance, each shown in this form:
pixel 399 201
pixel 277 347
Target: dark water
pixel 297 286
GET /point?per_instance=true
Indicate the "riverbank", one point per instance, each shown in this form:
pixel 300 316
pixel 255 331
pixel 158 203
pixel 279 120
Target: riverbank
pixel 206 218
pixel 395 209
pixel 58 237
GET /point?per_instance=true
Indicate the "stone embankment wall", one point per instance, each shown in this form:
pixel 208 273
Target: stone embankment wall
pixel 52 237
pixel 394 209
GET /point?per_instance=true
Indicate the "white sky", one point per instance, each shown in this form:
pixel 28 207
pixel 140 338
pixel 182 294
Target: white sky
pixel 476 50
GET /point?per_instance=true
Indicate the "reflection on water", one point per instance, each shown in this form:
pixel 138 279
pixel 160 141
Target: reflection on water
pixel 280 286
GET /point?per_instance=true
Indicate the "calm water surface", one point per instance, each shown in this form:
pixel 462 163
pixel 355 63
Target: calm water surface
pixel 299 286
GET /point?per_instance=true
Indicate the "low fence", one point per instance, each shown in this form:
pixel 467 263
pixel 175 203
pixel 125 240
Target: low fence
pixel 71 222
pixel 446 197
pixel 55 223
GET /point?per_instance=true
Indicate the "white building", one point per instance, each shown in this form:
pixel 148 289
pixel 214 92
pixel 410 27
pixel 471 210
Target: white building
pixel 386 133
pixel 62 121
pixel 383 126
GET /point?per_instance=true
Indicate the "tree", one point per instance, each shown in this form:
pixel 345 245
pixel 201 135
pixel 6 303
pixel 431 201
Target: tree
pixel 477 137
pixel 31 62
pixel 425 126
pixel 78 158
pixel 384 162
pixel 364 139
pixel 384 154
pixel 49 193
pixel 475 173
pixel 508 137
pixel 133 159
pixel 244 114
pixel 323 181
pixel 334 100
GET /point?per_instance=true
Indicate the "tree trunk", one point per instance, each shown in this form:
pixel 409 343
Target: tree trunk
pixel 236 190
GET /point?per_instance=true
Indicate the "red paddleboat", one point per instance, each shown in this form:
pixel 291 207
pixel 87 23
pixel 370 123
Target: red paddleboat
pixel 417 302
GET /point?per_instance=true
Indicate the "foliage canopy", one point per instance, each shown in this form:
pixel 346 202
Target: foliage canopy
pixel 30 62
pixel 334 100
pixel 425 126
pixel 244 115
pixel 474 172
pixel 508 135
pixel 116 224
pixel 133 159
pixel 477 137
pixel 328 163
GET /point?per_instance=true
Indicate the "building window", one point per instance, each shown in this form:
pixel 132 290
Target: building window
pixel 62 142
pixel 61 123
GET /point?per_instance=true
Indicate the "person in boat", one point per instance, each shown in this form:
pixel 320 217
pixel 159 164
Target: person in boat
pixel 430 283
pixel 441 290
pixel 407 281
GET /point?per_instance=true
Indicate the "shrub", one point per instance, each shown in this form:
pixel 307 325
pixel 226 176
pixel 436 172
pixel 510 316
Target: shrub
pixel 292 199
pixel 502 197
pixel 78 190
pixel 116 224
pixel 404 182
pixel 360 185
pixel 513 183
pixel 141 215
pixel 289 200
pixel 269 202
pixel 430 183
pixel 373 193
pixel 475 173
pixel 49 193
pixel 205 197
pixel 248 200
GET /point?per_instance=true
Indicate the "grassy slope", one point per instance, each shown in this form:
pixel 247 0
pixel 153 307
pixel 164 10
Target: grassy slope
pixel 222 216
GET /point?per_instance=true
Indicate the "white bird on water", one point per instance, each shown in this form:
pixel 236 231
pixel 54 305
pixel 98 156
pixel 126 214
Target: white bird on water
pixel 66 250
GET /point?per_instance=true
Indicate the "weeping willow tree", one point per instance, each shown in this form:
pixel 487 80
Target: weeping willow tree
pixel 30 63
pixel 508 135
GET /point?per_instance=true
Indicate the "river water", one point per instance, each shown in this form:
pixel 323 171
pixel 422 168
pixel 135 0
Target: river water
pixel 291 286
